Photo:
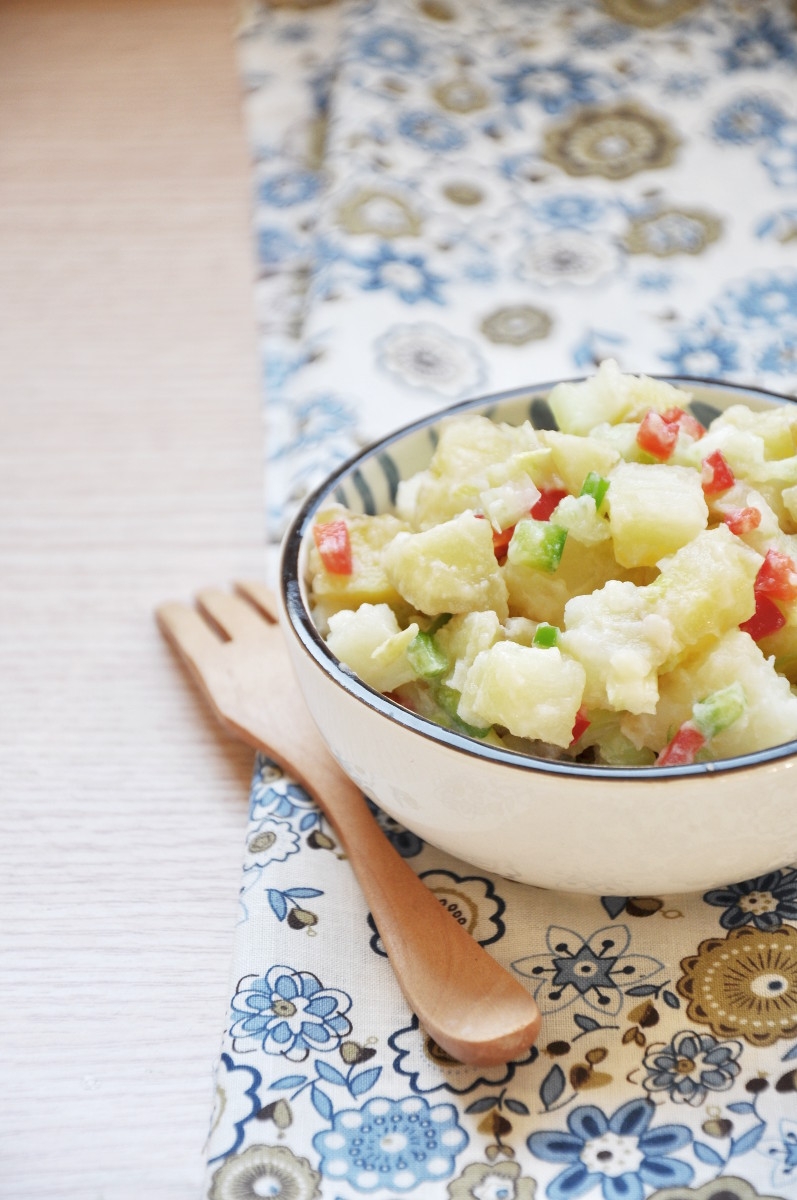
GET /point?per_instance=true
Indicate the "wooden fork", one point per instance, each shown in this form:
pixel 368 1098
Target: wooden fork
pixel 469 1004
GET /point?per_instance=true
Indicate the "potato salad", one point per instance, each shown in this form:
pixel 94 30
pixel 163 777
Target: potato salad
pixel 620 591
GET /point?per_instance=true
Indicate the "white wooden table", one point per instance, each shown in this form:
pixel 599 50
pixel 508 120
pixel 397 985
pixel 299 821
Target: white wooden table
pixel 130 471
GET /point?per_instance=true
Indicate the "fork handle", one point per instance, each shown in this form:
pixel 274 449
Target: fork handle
pixel 469 1004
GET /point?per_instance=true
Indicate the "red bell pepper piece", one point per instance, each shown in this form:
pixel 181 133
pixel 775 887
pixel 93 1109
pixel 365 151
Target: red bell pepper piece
pixel 501 541
pixel 716 475
pixel 683 748
pixel 743 520
pixel 549 498
pixel 334 546
pixel 580 725
pixel 658 432
pixel 656 436
pixel 777 576
pixel 766 619
pixel 685 421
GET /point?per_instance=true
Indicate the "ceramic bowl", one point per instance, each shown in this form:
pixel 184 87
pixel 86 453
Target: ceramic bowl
pixel 582 828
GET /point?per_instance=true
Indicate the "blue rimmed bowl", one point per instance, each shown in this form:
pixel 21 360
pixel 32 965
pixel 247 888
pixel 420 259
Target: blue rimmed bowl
pixel 570 826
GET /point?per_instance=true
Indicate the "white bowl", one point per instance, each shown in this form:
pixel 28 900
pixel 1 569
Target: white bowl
pixel 575 827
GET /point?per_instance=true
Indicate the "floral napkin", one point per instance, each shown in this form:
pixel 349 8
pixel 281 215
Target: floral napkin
pixel 454 197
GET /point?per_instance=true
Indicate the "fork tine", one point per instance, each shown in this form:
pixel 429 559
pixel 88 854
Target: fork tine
pixel 187 632
pixel 232 615
pixel 260 596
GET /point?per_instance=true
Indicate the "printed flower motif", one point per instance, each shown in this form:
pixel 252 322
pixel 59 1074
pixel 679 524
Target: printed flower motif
pixel 384 213
pixel 524 167
pixel 780 356
pixel 615 141
pixel 288 188
pixel 684 83
pixel 272 794
pixel 390 47
pixel 567 256
pixel 405 274
pixel 602 35
pixel 271 841
pixel 672 231
pixel 316 420
pixel 703 353
pixel 236 1102
pixel 767 300
pixel 570 210
pixel 470 899
pixel 730 1187
pixel 781 225
pixel 781 1149
pixel 759 45
pixel 691 1066
pixel 275 246
pixel 265 1171
pixel 554 86
pixel 462 193
pixel 591 970
pixel 620 1153
pixel 765 902
pixel 492 1181
pixel 744 985
pixel 654 281
pixel 431 1069
pixel 290 1013
pixel 395 1144
pixel 431 131
pixel 461 95
pixel 647 14
pixel 748 119
pixel 516 325
pixel 780 159
pixel 428 357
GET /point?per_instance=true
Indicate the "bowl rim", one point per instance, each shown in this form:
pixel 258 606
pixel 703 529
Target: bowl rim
pixel 313 644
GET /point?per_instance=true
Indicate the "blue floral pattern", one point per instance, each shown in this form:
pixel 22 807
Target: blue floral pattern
pixel 451 198
pixel 397 1144
pixel 596 971
pixel 765 902
pixel 691 1066
pixel 289 1013
pixel 620 1154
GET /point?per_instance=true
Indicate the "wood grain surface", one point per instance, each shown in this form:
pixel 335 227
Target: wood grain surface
pixel 130 472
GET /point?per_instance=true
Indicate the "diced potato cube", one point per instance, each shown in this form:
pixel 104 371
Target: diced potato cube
pixel 368 582
pixel 370 642
pixel 533 693
pixel 579 516
pixel 609 396
pixel 468 458
pixel 465 636
pixel 450 568
pixel 776 427
pixel 622 439
pixel 536 465
pixel 520 629
pixel 621 641
pixel 541 596
pixel 579 407
pixel 574 458
pixel 771 714
pixel 745 452
pixel 706 588
pixel 653 510
pixel 506 504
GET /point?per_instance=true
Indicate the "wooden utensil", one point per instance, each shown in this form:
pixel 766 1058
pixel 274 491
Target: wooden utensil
pixel 469 1004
